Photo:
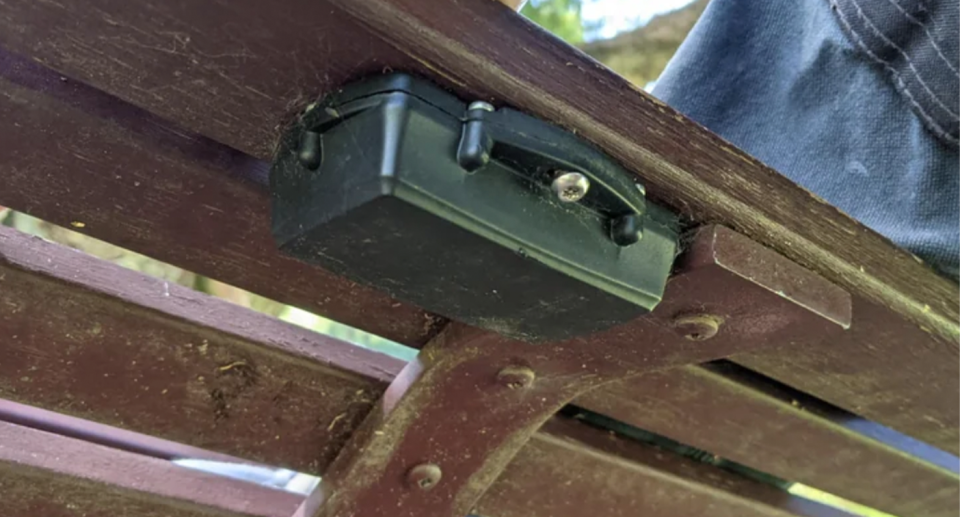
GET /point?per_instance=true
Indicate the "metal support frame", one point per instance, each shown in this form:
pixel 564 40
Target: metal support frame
pixel 455 417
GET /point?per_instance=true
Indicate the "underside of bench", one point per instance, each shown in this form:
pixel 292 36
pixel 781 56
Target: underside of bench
pixel 151 124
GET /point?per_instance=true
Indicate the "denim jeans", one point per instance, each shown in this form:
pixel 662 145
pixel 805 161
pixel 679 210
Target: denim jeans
pixel 789 83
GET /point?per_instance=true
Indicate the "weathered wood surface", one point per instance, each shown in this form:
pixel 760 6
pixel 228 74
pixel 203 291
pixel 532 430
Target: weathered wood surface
pixel 237 72
pixel 229 77
pixel 884 368
pixel 164 192
pixel 54 476
pixel 320 389
pixel 786 435
pixel 92 432
pixel 72 147
pixel 484 422
pixel 44 474
pixel 570 470
pixel 98 342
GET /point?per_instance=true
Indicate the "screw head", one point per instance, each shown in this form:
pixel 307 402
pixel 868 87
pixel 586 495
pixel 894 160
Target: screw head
pixel 424 476
pixel 700 327
pixel 570 186
pixel 480 105
pixel 516 377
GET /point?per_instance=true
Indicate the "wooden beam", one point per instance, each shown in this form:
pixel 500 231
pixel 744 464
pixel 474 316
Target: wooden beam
pixel 452 403
pixel 92 432
pixel 238 75
pixel 884 367
pixel 92 340
pixel 44 474
pixel 312 391
pixel 185 199
pixel 202 181
pixel 78 155
pixel 55 476
pixel 788 435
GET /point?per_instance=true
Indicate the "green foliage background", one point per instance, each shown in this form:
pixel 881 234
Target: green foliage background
pixel 561 17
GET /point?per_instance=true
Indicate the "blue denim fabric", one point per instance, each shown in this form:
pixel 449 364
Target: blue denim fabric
pixel 781 80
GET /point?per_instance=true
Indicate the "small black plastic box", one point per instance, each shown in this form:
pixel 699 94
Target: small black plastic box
pixel 396 184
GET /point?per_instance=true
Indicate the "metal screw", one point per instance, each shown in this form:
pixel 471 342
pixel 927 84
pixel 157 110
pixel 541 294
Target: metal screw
pixel 570 186
pixel 516 377
pixel 424 476
pixel 480 105
pixel 700 327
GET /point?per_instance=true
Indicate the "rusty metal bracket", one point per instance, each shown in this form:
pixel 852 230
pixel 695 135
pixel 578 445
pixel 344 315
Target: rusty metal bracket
pixel 455 417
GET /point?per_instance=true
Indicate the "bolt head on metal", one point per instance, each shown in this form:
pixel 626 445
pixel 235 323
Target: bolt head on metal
pixel 424 476
pixel 570 186
pixel 480 105
pixel 700 327
pixel 516 377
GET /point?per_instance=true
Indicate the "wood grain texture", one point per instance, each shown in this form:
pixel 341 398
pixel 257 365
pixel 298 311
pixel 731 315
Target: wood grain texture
pixel 62 368
pixel 236 71
pixel 95 341
pixel 54 476
pixel 44 474
pixel 77 155
pixel 787 436
pixel 447 405
pixel 884 367
pixel 135 181
pixel 92 432
pixel 601 474
pixel 486 49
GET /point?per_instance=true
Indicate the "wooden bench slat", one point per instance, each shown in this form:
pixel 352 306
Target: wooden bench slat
pixel 237 74
pixel 713 411
pixel 569 470
pixel 89 339
pixel 481 47
pixel 118 161
pixel 93 432
pixel 312 391
pixel 79 155
pixel 44 474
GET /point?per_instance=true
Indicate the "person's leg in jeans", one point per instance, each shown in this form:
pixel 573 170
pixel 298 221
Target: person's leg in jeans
pixel 859 105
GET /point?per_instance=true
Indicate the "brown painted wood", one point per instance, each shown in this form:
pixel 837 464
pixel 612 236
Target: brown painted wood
pixel 193 70
pixel 95 341
pixel 569 470
pixel 786 435
pixel 183 198
pixel 92 432
pixel 235 73
pixel 453 407
pixel 72 147
pixel 705 410
pixel 44 474
pixel 55 476
pixel 884 367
